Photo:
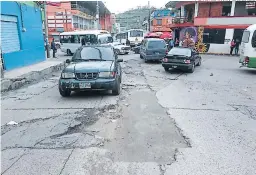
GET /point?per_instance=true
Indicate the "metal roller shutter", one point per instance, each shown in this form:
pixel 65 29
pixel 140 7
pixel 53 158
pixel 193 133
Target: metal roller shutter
pixel 10 41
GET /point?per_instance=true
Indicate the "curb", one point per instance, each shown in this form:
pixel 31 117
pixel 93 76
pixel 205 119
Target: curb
pixel 219 54
pixel 16 83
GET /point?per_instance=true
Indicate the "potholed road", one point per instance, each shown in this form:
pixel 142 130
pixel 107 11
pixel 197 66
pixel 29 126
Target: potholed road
pixel 162 123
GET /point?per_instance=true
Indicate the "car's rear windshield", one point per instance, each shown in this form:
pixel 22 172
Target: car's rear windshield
pixel 156 45
pixel 180 52
pixel 105 53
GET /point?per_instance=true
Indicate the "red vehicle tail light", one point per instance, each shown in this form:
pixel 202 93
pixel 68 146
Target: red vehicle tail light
pixel 187 61
pixel 246 59
pixel 113 74
pixel 165 60
pixel 166 52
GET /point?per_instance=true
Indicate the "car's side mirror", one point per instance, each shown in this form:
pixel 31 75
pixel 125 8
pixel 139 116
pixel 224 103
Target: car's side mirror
pixel 120 60
pixel 68 61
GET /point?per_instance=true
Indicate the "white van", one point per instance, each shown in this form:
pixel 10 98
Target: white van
pixel 71 41
pixel 248 47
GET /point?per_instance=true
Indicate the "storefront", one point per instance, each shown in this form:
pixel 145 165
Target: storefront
pixel 22 41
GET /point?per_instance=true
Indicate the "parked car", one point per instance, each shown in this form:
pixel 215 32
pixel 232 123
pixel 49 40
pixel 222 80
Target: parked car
pixel 91 68
pixel 182 58
pixel 136 49
pixel 120 48
pixel 153 49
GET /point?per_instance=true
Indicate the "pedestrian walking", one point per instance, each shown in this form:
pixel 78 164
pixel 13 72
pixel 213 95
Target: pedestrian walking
pixel 232 46
pixel 177 42
pixel 128 42
pixel 53 47
pixel 171 44
pixel 237 44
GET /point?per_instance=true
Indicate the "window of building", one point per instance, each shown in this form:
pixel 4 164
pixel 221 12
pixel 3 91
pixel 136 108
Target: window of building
pixel 159 21
pixel 254 40
pixel 10 41
pixel 226 9
pixel 75 25
pixel 214 36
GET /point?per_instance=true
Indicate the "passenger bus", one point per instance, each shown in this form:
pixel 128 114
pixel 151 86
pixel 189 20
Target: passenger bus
pixel 248 47
pixel 135 36
pixel 71 41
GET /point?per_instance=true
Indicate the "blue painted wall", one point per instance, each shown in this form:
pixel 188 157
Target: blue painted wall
pixel 31 42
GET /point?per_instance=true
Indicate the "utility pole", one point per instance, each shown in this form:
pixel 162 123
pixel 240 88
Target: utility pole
pixel 149 14
pixel 46 31
pixel 97 15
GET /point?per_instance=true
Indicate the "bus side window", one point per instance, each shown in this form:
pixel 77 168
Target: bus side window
pixel 254 40
pixel 75 39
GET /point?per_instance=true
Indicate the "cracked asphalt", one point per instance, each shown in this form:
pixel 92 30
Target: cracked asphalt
pixel 163 123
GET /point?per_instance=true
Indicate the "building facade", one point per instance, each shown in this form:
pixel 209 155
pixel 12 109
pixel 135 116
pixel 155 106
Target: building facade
pixel 213 25
pixel 22 40
pixel 161 19
pixel 76 15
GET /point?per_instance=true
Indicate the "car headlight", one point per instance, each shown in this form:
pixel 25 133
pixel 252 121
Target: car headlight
pixel 67 75
pixel 106 74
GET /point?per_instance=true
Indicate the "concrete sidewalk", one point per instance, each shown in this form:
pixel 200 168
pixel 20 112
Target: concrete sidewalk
pixel 17 78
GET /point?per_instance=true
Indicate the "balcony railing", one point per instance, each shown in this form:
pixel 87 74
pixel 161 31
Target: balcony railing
pixel 182 20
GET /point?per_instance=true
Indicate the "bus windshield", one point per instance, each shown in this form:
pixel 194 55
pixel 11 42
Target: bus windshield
pixel 246 36
pixel 136 33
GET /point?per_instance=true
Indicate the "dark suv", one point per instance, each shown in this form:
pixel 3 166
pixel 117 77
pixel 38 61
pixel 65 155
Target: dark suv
pixel 92 68
pixel 153 49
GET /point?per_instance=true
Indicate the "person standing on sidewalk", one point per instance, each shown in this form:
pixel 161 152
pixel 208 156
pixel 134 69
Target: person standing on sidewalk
pixel 232 46
pixel 171 44
pixel 237 44
pixel 54 49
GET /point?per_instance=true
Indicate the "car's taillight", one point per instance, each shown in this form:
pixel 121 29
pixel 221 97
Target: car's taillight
pixel 113 74
pixel 166 52
pixel 187 61
pixel 246 59
pixel 165 60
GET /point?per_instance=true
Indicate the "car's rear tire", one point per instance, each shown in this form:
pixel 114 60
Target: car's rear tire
pixel 69 53
pixel 192 68
pixel 117 88
pixel 200 62
pixel 166 69
pixel 65 93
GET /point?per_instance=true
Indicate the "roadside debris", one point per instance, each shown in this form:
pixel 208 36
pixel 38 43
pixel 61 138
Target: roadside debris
pixel 12 123
pixel 211 74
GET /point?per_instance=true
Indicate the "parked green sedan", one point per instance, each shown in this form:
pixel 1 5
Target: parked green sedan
pixel 92 68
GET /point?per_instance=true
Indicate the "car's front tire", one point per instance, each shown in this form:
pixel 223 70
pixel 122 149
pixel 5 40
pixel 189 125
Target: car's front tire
pixel 166 69
pixel 64 93
pixel 141 56
pixel 69 53
pixel 117 88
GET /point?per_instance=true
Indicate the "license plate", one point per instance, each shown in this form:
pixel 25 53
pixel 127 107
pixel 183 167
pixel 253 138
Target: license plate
pixel 84 85
pixel 174 66
pixel 157 53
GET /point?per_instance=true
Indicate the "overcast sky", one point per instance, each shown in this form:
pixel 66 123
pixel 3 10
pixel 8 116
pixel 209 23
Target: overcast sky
pixel 119 6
